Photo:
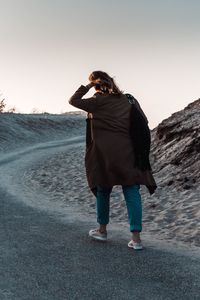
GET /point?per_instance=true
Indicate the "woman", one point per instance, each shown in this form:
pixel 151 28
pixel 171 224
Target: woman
pixel 117 151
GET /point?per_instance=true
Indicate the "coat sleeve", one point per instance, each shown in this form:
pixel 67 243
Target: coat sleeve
pixel 87 104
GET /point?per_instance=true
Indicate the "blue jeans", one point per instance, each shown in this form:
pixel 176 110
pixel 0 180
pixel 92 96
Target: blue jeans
pixel 133 203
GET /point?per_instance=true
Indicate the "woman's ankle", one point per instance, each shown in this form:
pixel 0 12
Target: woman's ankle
pixel 136 236
pixel 102 228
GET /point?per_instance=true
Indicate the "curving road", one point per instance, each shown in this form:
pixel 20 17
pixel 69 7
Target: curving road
pixel 45 253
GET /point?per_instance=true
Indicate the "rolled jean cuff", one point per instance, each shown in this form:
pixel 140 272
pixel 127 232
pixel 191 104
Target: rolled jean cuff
pixel 102 222
pixel 135 228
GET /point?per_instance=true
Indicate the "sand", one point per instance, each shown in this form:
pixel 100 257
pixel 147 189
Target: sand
pixel 167 215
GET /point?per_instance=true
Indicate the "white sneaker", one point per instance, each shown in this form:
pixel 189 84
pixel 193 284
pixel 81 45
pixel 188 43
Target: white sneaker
pixel 135 246
pixel 97 235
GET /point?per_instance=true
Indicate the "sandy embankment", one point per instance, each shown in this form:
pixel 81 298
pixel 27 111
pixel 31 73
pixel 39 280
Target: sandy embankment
pixel 168 215
pixel 18 131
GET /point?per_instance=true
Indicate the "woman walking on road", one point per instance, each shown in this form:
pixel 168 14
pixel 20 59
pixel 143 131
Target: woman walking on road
pixel 117 151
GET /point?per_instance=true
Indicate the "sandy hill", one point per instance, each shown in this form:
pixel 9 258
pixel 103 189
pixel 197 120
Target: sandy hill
pixel 20 130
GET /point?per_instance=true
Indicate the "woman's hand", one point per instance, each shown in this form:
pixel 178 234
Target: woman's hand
pixel 90 85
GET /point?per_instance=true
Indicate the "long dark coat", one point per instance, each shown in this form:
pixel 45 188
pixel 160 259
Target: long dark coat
pixel 110 158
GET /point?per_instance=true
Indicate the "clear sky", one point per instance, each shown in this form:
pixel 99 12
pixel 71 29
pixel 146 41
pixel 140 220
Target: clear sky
pixel 151 47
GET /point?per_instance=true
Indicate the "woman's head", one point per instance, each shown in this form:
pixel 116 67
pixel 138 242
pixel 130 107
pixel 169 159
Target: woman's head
pixel 104 83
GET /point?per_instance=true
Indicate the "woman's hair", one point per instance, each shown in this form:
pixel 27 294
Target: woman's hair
pixel 104 83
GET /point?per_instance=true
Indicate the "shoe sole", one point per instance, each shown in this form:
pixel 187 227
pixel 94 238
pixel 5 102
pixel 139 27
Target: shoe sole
pixel 135 247
pixel 98 238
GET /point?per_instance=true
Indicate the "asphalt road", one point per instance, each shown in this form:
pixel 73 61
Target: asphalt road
pixel 47 254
